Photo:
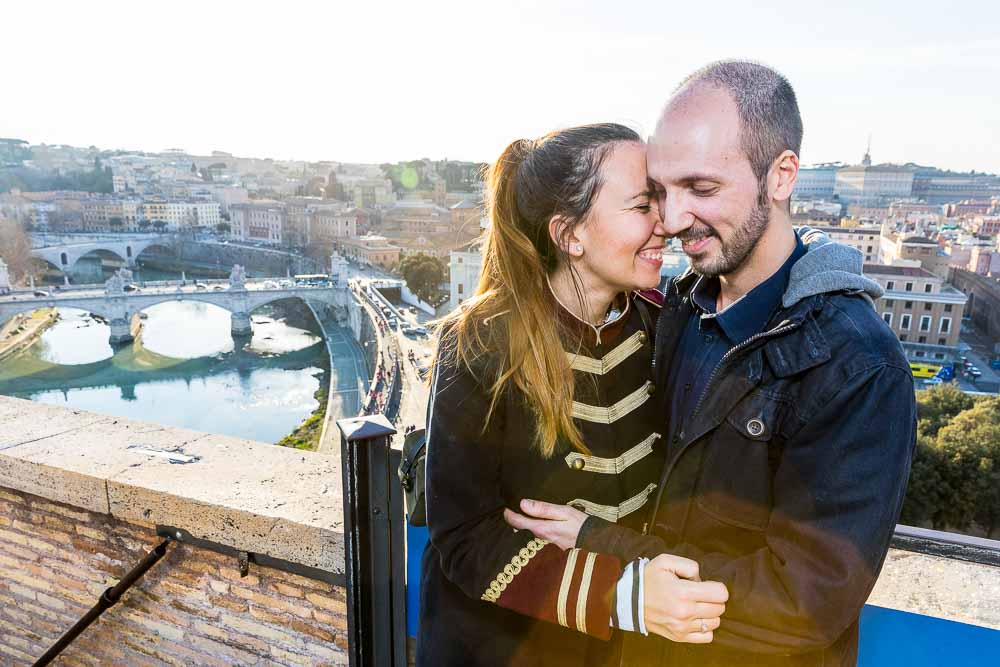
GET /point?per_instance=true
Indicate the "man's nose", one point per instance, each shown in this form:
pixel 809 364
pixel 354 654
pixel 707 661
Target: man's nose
pixel 675 215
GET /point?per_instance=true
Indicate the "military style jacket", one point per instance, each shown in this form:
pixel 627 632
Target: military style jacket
pixel 491 595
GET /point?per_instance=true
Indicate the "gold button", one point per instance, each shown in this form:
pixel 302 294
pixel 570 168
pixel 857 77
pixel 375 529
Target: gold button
pixel 642 337
pixel 650 388
pixel 579 464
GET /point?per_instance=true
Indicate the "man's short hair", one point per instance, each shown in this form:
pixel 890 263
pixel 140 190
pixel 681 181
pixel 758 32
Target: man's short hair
pixel 765 101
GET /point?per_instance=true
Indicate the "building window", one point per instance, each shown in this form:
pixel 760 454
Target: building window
pixel 947 308
pixel 942 341
pixel 908 305
pixel 902 338
pixel 904 322
pixel 919 353
pixel 945 325
pixel 890 285
pixel 869 249
pixel 459 260
pixel 909 287
pixel 928 287
pixel 888 318
pixel 460 286
pixel 939 355
pixel 928 305
pixel 925 322
pixel 888 303
pixel 923 339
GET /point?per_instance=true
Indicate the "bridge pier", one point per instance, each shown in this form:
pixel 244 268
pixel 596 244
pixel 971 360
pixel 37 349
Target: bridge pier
pixel 241 325
pixel 121 330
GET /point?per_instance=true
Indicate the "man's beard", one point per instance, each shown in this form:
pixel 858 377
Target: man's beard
pixel 735 251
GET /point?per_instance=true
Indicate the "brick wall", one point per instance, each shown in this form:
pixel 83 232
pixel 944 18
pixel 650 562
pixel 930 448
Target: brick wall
pixel 192 608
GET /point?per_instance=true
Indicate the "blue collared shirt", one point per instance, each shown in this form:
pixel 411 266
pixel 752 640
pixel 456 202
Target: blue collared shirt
pixel 709 335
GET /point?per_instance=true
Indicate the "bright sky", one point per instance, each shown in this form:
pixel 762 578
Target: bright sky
pixel 365 81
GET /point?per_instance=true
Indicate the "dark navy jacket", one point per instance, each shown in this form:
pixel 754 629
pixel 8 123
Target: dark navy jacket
pixel 787 482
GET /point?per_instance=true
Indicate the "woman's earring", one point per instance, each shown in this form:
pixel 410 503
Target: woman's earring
pixel 579 248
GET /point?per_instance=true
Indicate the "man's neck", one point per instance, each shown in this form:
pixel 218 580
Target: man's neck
pixel 772 250
pixel 596 299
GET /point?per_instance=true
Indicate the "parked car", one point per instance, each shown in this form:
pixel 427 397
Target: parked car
pixel 131 288
pixel 219 288
pixel 270 284
pixel 41 293
pixel 200 286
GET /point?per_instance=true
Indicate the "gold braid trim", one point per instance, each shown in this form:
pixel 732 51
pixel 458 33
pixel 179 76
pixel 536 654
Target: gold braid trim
pixel 512 569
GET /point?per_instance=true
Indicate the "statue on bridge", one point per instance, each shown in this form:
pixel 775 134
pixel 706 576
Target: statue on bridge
pixel 4 278
pixel 115 285
pixel 238 278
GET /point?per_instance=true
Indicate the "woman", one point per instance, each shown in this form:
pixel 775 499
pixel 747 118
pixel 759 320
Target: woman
pixel 541 390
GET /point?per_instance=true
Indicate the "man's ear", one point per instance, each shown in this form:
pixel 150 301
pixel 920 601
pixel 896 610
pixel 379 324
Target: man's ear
pixel 562 234
pixel 784 174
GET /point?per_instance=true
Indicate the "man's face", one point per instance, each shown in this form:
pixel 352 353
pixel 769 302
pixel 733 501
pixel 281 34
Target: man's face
pixel 709 196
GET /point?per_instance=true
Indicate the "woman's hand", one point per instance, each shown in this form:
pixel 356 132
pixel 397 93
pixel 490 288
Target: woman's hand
pixel 559 524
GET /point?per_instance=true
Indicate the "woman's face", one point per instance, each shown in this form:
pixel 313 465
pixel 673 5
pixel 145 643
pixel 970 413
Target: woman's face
pixel 623 235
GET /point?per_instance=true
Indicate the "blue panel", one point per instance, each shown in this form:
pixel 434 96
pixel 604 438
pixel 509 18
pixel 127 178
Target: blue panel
pixel 891 638
pixel 416 540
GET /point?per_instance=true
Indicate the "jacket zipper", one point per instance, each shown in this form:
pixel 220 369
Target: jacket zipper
pixel 780 329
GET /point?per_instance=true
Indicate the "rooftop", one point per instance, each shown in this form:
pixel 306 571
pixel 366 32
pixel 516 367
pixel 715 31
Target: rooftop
pixel 889 270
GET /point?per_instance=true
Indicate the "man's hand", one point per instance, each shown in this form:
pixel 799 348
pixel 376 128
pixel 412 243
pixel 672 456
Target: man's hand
pixel 678 605
pixel 559 524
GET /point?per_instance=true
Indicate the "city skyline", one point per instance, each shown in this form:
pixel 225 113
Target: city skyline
pixel 350 85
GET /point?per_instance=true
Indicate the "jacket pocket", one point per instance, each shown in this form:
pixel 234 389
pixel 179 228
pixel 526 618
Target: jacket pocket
pixel 734 486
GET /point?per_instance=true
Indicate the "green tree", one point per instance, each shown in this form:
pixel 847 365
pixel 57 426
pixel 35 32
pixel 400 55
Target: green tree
pixel 937 406
pixel 116 221
pixel 970 448
pixel 424 275
pixel 223 228
pixel 927 488
pixel 145 224
pixel 159 225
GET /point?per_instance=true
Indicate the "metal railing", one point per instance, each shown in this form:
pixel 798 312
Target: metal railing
pixel 375 550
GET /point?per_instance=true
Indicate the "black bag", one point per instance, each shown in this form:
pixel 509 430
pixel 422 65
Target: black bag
pixel 411 476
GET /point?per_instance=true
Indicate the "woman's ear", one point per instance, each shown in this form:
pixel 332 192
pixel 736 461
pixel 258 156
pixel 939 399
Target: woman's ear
pixel 562 234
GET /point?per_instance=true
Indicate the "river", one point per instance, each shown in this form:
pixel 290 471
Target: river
pixel 184 371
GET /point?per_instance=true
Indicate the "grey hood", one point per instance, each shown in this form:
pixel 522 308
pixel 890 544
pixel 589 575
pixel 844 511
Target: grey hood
pixel 827 267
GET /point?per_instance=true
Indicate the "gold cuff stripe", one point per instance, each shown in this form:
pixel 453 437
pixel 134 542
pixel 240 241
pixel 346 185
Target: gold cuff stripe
pixel 512 569
pixel 616 465
pixel 581 598
pixel 567 579
pixel 612 513
pixel 610 415
pixel 602 366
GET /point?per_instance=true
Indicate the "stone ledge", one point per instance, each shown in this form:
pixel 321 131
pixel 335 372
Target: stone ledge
pixel 283 503
pixel 944 588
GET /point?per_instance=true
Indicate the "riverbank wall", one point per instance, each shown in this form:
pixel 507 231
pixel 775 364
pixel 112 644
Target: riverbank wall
pixel 219 258
pixel 23 330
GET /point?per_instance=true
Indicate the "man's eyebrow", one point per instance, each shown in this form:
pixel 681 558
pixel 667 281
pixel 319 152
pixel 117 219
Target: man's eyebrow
pixel 695 177
pixel 644 194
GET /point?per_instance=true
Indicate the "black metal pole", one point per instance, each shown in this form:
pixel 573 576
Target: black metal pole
pixel 105 602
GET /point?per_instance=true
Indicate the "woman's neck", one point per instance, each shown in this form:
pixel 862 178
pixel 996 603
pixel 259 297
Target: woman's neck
pixel 596 298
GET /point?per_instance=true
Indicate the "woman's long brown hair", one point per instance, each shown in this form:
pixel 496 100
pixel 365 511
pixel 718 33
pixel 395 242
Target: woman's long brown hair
pixel 530 183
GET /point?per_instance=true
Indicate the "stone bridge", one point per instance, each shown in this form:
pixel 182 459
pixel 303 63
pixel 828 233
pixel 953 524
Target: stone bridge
pixel 64 256
pixel 118 309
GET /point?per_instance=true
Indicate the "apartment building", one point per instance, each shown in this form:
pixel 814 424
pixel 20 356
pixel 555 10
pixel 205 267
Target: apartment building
pixel 923 311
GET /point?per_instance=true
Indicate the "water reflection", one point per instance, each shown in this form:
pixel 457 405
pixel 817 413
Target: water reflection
pixel 183 371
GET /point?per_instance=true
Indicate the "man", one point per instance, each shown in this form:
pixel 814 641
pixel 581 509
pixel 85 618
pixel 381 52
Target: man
pixel 789 405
